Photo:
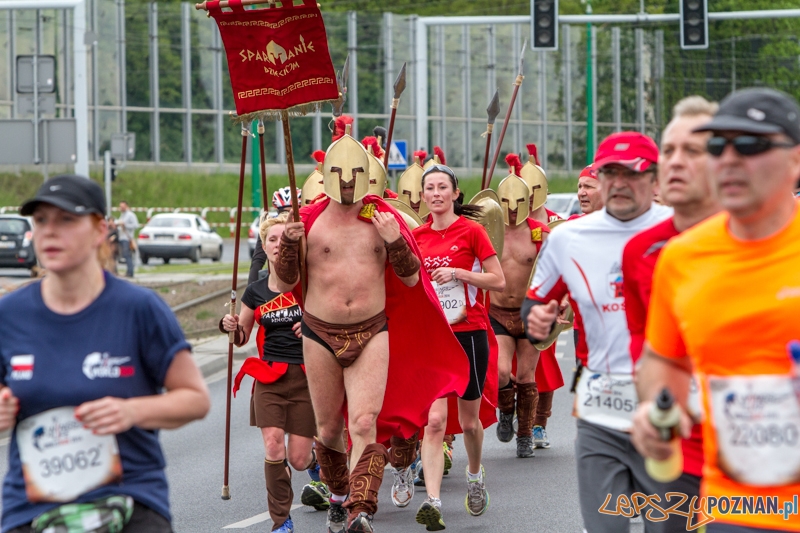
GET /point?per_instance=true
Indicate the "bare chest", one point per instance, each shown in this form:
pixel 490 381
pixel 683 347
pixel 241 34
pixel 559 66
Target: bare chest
pixel 332 239
pixel 518 250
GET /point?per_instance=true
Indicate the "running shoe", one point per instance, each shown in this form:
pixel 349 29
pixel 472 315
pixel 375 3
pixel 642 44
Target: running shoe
pixel 402 486
pixel 337 518
pixel 505 429
pixel 316 495
pixel 419 479
pixel 429 514
pixel 362 523
pixel 448 458
pixel 524 447
pixel 313 473
pixel 477 500
pixel 287 527
pixel 540 439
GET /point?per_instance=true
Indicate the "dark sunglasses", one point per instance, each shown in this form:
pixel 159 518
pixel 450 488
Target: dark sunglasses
pixel 745 145
pixel 439 168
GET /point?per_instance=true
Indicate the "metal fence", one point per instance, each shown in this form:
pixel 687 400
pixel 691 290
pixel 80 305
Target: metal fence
pixel 159 70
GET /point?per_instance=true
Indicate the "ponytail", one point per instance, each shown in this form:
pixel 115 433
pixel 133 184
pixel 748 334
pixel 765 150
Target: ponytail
pixel 472 212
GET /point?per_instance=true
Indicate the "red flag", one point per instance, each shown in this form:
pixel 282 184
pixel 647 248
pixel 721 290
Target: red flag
pixel 277 57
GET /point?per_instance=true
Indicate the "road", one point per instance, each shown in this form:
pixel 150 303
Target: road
pixel 538 494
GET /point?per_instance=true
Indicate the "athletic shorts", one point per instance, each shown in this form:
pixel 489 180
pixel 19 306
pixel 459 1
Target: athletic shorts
pixel 476 346
pixel 143 520
pixel 284 404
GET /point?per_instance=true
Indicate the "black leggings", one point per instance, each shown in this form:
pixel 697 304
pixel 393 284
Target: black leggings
pixel 476 347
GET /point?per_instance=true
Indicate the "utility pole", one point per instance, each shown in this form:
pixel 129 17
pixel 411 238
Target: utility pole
pixel 589 93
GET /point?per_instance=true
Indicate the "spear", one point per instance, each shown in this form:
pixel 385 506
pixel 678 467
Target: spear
pixel 226 491
pixel 264 193
pixel 399 87
pixel 492 111
pixel 517 83
pixel 341 80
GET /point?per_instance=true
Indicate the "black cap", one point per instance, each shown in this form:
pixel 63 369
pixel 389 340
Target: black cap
pixel 75 194
pixel 758 110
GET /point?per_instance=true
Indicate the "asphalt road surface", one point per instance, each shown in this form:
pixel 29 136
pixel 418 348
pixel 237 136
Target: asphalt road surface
pixel 527 495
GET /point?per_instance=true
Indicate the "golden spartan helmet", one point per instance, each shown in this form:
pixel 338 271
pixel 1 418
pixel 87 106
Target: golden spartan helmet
pixel 491 218
pixel 347 160
pixel 377 174
pixel 409 187
pixel 409 215
pixel 515 195
pixel 438 158
pixel 313 186
pixel 536 179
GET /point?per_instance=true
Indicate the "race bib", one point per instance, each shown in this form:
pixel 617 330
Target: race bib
pixel 757 423
pixel 608 400
pixel 453 299
pixel 61 460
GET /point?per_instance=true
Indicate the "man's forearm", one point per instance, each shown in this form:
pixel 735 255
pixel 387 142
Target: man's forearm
pixel 654 373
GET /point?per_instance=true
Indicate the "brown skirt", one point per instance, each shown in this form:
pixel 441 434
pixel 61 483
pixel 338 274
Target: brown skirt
pixel 506 321
pixel 285 404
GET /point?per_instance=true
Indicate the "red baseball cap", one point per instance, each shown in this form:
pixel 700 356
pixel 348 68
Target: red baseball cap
pixel 588 172
pixel 630 149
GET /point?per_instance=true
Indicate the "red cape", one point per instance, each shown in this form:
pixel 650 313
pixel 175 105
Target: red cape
pixel 426 361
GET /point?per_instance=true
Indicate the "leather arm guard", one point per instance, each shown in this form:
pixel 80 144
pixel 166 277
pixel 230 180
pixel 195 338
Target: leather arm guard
pixel 238 336
pixel 287 267
pixel 402 259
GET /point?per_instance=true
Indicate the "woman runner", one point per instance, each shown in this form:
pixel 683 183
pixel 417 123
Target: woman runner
pixel 84 358
pixel 280 403
pixel 462 263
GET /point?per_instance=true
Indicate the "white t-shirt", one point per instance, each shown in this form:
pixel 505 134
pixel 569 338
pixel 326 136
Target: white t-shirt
pixel 131 223
pixel 584 258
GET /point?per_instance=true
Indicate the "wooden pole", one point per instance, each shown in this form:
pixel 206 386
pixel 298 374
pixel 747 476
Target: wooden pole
pixel 517 83
pixel 486 155
pixel 226 491
pixel 287 141
pixel 389 134
pixel 264 192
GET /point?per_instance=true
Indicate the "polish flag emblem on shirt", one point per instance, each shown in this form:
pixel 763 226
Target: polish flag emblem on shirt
pixel 22 367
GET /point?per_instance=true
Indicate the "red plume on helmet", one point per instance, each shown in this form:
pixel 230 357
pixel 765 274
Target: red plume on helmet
pixel 514 164
pixel 422 154
pixel 339 126
pixel 377 151
pixel 439 153
pixel 534 152
pixel 319 156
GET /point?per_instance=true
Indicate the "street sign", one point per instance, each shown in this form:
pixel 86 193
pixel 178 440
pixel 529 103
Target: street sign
pixel 398 155
pixel 46 78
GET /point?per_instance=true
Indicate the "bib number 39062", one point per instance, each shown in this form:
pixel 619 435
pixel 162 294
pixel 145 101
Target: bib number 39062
pixel 607 400
pixel 453 300
pixel 61 460
pixel 757 423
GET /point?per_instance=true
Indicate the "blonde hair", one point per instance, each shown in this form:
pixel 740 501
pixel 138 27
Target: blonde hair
pixel 693 106
pixel 267 223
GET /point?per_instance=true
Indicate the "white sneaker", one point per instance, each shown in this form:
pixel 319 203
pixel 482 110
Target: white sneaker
pixel 402 486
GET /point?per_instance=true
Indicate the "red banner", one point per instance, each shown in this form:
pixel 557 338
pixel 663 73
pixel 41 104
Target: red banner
pixel 277 57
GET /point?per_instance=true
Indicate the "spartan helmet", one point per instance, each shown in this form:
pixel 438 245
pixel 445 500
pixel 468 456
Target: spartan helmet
pixel 536 179
pixel 409 188
pixel 515 195
pixel 377 174
pixel 313 186
pixel 347 160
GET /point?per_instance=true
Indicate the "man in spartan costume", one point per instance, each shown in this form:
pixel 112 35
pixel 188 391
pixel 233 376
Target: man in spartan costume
pixel 365 306
pixel 377 172
pixel 524 237
pixel 535 177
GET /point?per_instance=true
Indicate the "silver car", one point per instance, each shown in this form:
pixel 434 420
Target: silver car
pixel 178 235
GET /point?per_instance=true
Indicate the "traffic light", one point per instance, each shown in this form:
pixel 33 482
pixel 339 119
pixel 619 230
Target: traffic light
pixel 694 24
pixel 544 24
pixel 113 169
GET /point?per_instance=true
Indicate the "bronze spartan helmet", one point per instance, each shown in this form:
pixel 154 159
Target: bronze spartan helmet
pixel 409 188
pixel 377 173
pixel 313 186
pixel 536 179
pixel 515 195
pixel 347 160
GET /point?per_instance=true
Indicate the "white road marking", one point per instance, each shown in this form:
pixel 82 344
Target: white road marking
pixel 561 343
pixel 257 519
pixel 559 355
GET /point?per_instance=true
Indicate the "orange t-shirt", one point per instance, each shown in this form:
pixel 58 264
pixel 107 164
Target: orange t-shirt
pixel 732 307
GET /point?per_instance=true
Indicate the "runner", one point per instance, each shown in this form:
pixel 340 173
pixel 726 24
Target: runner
pixel 462 263
pixel 282 202
pixel 523 240
pixel 280 403
pixel 726 294
pixel 377 173
pixel 582 258
pixel 535 177
pixel 362 279
pixel 409 188
pixel 84 360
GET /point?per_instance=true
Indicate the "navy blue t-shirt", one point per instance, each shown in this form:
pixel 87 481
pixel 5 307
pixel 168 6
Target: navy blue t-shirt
pixel 121 346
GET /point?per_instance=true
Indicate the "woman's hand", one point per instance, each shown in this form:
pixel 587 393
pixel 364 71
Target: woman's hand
pixel 292 231
pixel 387 226
pixel 296 330
pixel 9 406
pixel 444 275
pixel 230 323
pixel 106 416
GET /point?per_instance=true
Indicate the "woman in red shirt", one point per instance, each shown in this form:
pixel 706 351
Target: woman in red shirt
pixel 462 263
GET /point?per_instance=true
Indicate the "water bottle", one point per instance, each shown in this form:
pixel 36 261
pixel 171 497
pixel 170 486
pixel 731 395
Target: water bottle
pixel 666 417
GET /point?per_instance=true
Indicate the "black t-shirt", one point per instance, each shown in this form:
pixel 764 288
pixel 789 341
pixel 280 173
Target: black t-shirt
pixel 276 313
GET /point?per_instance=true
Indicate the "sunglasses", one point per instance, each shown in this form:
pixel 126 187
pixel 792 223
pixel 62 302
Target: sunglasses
pixel 744 145
pixel 439 168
